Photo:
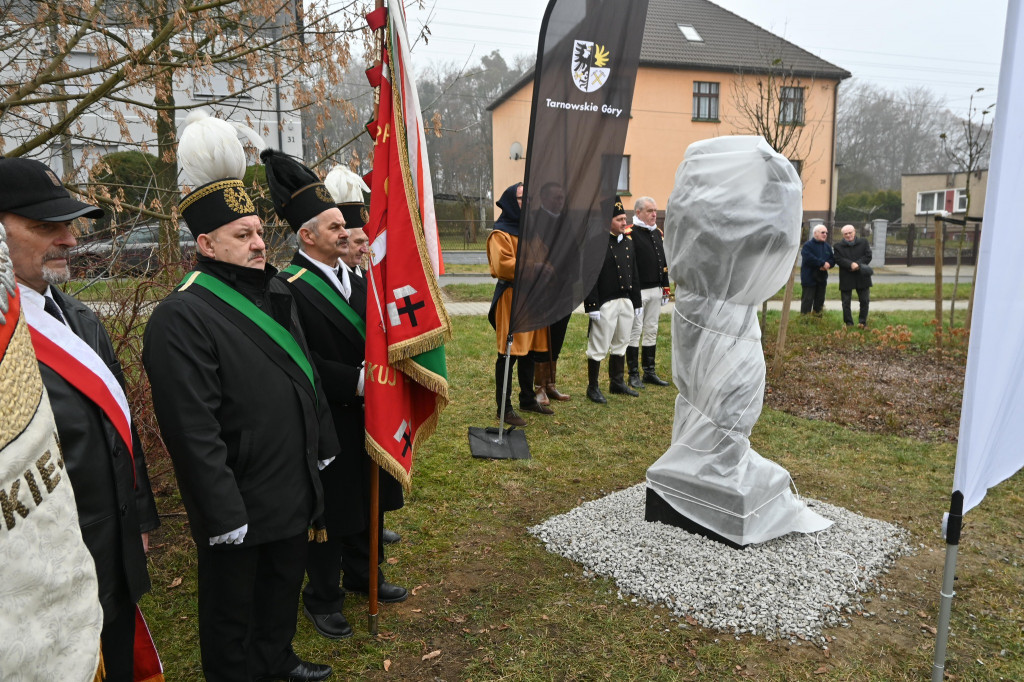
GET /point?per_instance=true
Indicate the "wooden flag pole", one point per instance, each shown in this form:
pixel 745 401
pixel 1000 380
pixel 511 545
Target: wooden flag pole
pixel 374 570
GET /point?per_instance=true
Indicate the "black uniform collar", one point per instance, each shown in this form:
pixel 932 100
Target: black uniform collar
pixel 241 278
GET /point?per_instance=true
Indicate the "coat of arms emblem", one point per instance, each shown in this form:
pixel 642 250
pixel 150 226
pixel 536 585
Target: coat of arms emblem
pixel 589 65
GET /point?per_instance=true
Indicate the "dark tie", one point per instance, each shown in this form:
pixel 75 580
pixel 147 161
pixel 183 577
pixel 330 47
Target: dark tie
pixel 50 306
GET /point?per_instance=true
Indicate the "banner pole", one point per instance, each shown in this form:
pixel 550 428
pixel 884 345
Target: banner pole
pixel 504 387
pixel 372 606
pixel 953 526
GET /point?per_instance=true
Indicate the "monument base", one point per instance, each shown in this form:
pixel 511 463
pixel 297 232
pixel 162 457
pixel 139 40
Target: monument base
pixel 657 509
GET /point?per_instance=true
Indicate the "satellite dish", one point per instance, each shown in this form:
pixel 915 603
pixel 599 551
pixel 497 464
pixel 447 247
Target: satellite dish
pixel 515 152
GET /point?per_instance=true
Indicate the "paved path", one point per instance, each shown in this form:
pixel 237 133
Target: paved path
pixel 876 306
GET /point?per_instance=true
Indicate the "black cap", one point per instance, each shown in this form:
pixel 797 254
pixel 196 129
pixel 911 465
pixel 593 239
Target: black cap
pixel 355 215
pixel 215 204
pixel 30 189
pixel 617 207
pixel 296 190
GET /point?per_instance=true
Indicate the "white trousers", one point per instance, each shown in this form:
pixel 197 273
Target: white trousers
pixel 610 334
pixel 648 320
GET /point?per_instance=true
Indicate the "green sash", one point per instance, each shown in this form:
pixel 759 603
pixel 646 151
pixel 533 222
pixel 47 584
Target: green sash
pixel 328 293
pixel 269 325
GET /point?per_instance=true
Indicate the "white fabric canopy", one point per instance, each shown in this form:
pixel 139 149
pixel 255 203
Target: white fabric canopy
pixel 732 230
pixel 991 445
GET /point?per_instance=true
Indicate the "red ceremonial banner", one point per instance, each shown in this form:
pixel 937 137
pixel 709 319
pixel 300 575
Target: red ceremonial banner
pixel 406 384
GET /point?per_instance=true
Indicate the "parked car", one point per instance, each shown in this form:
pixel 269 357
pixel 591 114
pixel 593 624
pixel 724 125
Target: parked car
pixel 135 252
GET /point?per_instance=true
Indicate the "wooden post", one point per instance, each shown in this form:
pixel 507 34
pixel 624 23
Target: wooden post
pixel 939 246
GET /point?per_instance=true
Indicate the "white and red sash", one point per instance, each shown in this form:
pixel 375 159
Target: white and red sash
pixel 77 363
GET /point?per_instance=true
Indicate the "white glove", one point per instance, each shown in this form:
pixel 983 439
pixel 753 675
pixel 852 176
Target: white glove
pixel 322 464
pixel 362 378
pixel 638 311
pixel 235 537
pixel 595 315
pixel 664 299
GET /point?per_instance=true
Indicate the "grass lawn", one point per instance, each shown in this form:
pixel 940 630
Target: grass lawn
pixel 497 606
pixel 882 292
pixel 879 292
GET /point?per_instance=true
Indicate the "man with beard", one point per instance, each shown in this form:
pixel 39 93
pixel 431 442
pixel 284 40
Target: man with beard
pixel 331 302
pixel 244 417
pixel 612 304
pixel 81 373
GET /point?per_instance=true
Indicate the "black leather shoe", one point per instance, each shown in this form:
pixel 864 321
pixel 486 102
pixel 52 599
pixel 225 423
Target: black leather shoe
pixel 386 592
pixel 536 407
pixel 594 395
pixel 303 672
pixel 330 625
pixel 390 537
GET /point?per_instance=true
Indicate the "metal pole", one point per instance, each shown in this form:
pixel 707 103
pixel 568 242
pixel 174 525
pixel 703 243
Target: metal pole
pixel 374 546
pixel 953 526
pixel 504 387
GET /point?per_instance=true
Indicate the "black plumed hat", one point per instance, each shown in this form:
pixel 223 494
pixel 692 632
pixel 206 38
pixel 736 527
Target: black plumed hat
pixel 296 190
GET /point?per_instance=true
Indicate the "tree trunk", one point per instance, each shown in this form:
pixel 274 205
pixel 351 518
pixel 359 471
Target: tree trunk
pixel 938 280
pixel 166 170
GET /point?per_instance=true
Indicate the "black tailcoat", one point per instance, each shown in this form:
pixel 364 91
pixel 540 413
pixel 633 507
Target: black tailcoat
pixel 338 351
pixel 650 257
pixel 619 277
pixel 240 419
pixel 115 504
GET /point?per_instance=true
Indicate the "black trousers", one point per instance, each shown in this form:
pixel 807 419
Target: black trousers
pixel 247 608
pixel 326 561
pixel 117 640
pixel 813 298
pixel 863 297
pixel 526 370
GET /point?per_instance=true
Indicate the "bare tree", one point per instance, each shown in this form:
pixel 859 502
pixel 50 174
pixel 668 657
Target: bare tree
pixel 882 134
pixel 771 103
pixel 968 152
pixel 85 77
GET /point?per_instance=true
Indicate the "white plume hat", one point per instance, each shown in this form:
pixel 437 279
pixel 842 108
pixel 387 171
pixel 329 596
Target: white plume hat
pixel 209 149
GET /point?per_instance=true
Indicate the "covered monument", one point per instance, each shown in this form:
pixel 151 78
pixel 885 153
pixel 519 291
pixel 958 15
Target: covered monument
pixel 732 230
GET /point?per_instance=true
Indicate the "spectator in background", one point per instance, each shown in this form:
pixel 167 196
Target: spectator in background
pixel 818 258
pixel 853 254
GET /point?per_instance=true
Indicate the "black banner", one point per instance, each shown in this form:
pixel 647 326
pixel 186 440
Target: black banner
pixel 587 61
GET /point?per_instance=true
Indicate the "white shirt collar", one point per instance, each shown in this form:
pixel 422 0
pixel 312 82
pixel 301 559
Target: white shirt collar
pixel 33 297
pixel 640 223
pixel 338 276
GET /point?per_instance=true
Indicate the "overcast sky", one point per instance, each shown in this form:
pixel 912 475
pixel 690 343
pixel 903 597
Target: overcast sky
pixel 950 46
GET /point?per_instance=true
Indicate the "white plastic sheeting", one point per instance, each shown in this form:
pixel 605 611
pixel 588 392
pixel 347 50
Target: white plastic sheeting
pixel 732 230
pixel 991 428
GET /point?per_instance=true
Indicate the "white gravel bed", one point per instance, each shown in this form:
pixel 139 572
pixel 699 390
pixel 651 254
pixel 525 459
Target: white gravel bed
pixel 790 587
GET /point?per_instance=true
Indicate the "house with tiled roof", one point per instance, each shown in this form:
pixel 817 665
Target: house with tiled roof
pixel 701 68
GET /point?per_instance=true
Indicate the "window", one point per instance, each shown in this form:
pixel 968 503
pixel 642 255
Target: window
pixel 791 105
pixel 961 201
pixel 623 187
pixel 931 202
pixel 798 165
pixel 705 101
pixel 690 33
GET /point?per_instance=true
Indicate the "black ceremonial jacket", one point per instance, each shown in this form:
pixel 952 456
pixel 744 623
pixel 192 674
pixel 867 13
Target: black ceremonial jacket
pixel 619 277
pixel 115 504
pixel 240 419
pixel 650 257
pixel 338 350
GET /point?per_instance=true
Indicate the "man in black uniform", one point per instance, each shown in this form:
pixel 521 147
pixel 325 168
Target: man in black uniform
pixel 331 301
pixel 101 450
pixel 245 420
pixel 654 291
pixel 612 304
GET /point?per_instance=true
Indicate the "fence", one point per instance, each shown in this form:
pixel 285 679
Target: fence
pixel 915 244
pixel 463 235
